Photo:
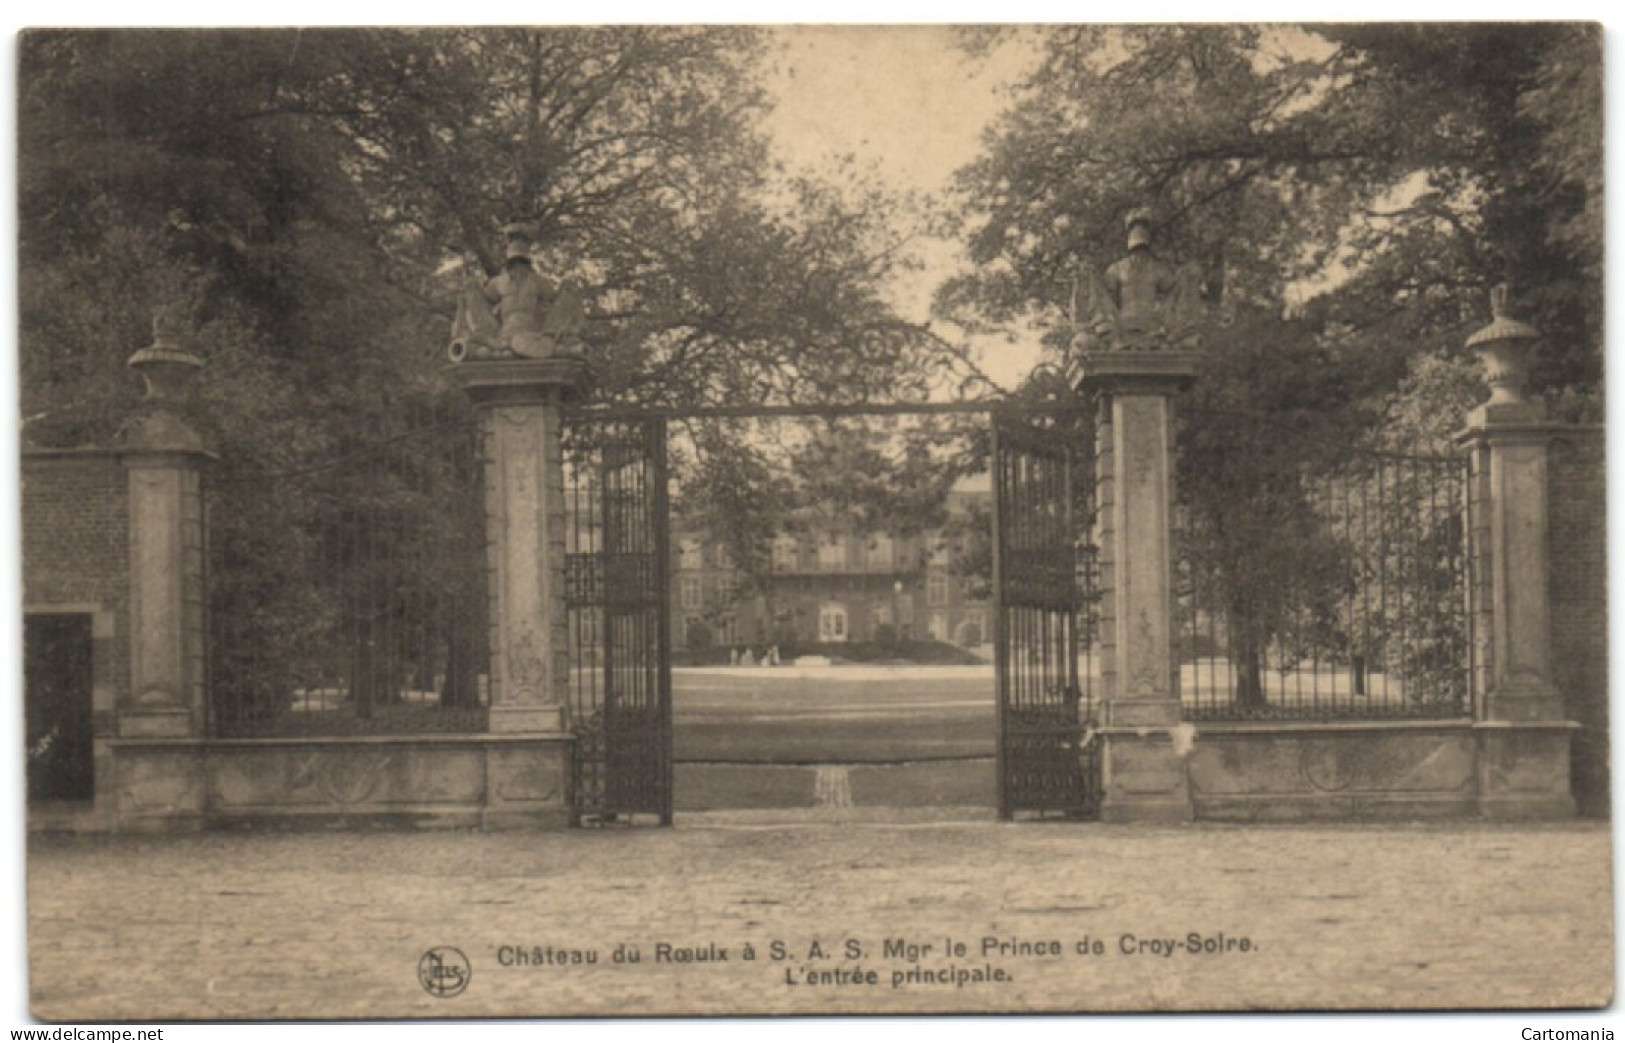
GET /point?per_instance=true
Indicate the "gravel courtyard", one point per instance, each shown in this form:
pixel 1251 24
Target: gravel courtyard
pixel 328 925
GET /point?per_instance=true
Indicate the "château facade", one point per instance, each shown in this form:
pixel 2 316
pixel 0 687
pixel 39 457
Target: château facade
pixel 831 585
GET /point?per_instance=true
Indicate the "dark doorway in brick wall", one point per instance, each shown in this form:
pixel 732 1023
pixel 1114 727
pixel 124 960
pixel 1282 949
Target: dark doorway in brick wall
pixel 57 682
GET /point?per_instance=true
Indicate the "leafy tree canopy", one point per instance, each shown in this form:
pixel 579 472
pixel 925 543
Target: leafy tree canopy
pixel 300 193
pixel 1389 174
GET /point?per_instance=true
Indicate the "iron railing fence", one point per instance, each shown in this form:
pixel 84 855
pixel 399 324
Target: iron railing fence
pixel 348 592
pixel 1333 589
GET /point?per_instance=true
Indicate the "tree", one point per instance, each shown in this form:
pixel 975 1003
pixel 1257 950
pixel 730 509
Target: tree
pixel 1266 417
pixel 315 180
pixel 732 490
pixel 1389 174
pixel 295 196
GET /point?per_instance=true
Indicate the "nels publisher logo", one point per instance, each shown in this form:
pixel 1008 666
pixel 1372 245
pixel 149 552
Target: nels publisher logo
pixel 444 971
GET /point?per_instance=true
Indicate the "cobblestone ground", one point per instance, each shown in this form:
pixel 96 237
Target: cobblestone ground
pixel 269 925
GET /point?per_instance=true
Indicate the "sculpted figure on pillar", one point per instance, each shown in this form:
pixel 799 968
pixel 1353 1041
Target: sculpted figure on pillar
pixel 517 314
pixel 1141 303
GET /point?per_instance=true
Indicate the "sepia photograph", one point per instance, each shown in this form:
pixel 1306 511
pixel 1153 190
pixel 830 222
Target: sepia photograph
pixel 668 520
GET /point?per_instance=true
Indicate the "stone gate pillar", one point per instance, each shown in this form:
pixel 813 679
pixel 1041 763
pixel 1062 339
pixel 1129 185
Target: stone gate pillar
pixel 160 719
pixel 164 458
pixel 520 405
pixel 1144 770
pixel 1523 730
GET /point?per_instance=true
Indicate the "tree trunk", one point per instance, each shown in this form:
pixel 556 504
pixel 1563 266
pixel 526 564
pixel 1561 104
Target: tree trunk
pixel 461 686
pixel 377 677
pixel 1247 656
pixel 1250 677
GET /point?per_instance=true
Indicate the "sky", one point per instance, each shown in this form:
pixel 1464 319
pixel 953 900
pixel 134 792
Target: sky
pixel 907 105
pixel 902 97
pixel 910 108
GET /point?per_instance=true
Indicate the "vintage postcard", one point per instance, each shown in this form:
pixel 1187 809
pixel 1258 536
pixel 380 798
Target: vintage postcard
pixel 747 520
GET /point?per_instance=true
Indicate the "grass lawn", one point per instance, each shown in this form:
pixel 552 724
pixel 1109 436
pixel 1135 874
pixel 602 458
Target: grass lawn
pixel 918 736
pixel 832 716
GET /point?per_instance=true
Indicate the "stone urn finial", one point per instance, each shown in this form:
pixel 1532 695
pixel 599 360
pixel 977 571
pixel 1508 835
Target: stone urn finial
pixel 166 370
pixel 1503 346
pixel 1137 225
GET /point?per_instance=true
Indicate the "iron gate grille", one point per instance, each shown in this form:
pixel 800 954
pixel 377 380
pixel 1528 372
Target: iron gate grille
pixel 615 594
pixel 1044 581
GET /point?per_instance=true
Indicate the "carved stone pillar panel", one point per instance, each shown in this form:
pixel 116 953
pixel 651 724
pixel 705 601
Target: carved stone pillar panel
pixel 1106 538
pixel 1137 511
pixel 521 404
pixel 1144 771
pixel 524 690
pixel 1142 562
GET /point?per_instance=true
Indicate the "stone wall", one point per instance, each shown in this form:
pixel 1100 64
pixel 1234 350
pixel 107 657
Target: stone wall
pixel 1334 771
pixel 1579 590
pixel 168 785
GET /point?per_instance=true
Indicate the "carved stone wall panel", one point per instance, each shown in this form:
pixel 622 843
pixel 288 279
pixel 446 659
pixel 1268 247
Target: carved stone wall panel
pixel 1341 765
pixel 1334 808
pixel 1527 763
pixel 526 774
pixel 449 777
pixel 344 777
pixel 163 781
pixel 241 778
pixel 1241 767
pixel 1142 768
pixel 1421 766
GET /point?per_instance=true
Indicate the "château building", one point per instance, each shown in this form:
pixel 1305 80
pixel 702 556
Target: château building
pixel 831 585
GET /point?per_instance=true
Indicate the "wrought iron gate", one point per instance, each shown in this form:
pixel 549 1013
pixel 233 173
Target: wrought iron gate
pixel 616 595
pixel 1043 582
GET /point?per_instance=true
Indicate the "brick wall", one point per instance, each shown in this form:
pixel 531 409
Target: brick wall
pixel 1579 577
pixel 76 544
pixel 76 551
